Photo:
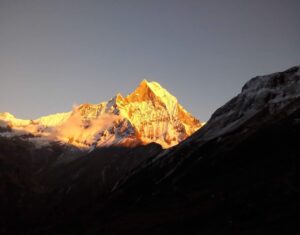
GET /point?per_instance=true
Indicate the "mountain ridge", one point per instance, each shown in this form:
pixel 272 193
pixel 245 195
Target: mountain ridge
pixel 236 175
pixel 148 114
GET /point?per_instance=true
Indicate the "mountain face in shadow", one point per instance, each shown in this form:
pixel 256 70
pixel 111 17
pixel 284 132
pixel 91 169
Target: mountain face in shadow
pixel 236 175
pixel 42 187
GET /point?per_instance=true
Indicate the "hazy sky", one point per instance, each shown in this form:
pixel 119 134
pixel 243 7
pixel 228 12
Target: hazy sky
pixel 54 54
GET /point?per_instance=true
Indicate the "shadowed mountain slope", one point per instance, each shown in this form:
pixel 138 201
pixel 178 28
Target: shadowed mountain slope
pixel 236 175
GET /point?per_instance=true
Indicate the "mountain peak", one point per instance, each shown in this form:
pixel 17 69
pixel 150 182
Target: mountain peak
pixel 152 86
pixel 149 114
pixel 153 92
pixel 142 93
pixel 144 82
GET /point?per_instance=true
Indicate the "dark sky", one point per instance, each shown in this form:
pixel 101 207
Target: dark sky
pixel 57 53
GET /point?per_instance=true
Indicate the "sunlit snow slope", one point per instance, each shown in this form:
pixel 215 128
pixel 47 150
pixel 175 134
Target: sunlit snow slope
pixel 149 114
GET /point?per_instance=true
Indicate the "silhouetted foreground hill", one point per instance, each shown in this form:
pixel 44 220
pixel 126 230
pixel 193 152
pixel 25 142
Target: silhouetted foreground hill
pixel 236 175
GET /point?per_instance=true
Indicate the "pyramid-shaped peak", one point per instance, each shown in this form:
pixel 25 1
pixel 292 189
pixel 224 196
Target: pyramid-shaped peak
pixel 152 84
pixel 146 85
pixel 150 91
pixel 144 82
pixel 149 114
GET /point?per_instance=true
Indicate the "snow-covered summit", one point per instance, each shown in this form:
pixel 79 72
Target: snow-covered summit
pixel 264 97
pixel 149 114
pixel 153 91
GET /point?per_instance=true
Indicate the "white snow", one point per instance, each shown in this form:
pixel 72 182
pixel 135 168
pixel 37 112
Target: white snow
pixel 273 92
pixel 149 114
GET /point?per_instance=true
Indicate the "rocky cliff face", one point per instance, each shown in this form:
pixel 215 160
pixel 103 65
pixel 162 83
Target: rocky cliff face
pixel 239 174
pixel 262 102
pixel 149 114
pixel 236 175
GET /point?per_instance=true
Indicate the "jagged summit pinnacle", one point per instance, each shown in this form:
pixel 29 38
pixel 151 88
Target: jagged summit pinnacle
pixel 154 87
pixel 144 82
pixel 149 114
pixel 153 91
pixel 145 91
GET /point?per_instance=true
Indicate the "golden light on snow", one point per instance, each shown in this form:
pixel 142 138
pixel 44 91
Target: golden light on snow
pixel 149 114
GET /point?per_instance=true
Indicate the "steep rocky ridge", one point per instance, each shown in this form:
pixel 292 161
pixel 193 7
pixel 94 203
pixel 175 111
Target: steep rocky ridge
pixel 149 114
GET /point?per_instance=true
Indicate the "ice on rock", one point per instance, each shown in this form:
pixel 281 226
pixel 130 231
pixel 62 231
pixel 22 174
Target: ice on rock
pixel 271 93
pixel 149 114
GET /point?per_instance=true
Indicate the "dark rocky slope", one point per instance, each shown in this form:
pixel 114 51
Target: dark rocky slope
pixel 40 188
pixel 237 175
